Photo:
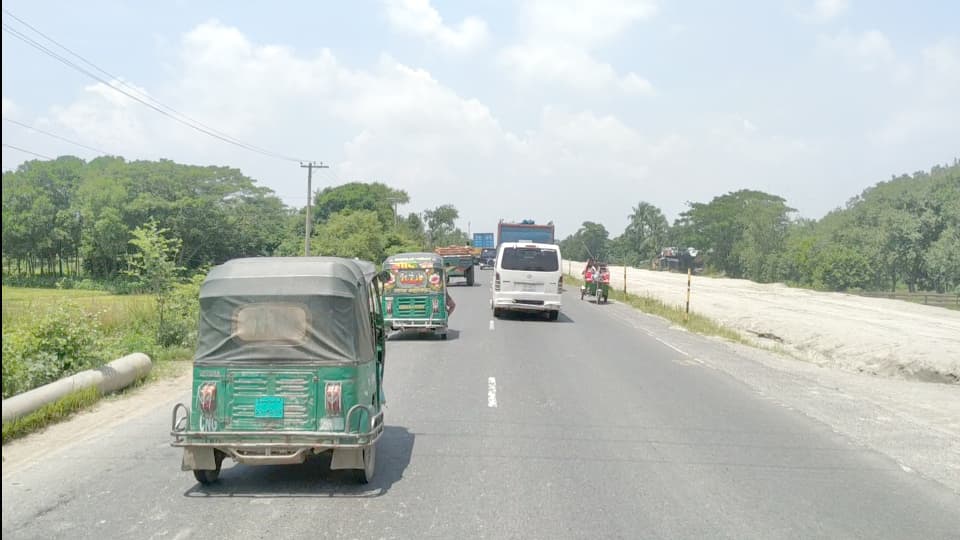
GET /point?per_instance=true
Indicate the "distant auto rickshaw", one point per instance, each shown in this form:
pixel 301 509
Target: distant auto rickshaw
pixel 596 282
pixel 289 362
pixel 415 293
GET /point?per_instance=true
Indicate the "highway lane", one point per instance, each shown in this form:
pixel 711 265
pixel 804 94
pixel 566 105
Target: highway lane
pixel 523 428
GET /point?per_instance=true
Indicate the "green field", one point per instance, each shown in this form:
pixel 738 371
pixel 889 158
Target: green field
pixel 110 310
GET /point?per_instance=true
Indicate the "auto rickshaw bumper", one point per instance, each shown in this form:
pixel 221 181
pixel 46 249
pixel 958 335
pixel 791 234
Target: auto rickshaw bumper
pixel 273 447
pixel 416 324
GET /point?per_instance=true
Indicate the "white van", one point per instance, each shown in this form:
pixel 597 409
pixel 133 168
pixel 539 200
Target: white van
pixel 527 278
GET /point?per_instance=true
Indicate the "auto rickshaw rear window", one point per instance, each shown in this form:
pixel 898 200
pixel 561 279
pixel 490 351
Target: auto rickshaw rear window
pixel 530 259
pixel 276 322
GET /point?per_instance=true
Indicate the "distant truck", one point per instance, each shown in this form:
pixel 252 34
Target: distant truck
pixel 525 231
pixel 483 240
pixel 457 262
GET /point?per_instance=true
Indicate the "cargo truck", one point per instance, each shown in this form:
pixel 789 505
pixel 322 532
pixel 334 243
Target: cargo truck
pixel 525 231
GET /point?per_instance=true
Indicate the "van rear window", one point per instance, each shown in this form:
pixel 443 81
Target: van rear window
pixel 530 259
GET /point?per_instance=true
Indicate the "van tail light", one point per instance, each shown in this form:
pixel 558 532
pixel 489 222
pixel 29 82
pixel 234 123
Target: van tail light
pixel 334 399
pixel 496 281
pixel 389 306
pixel 560 285
pixel 207 397
pixel 436 305
pixel 605 277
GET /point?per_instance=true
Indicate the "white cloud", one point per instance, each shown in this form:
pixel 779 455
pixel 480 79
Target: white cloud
pixel 399 124
pixel 559 40
pixel 870 50
pixel 818 11
pixel 941 67
pixel 829 9
pixel 929 112
pixel 9 107
pixel 419 18
pixel 574 67
pixel 584 24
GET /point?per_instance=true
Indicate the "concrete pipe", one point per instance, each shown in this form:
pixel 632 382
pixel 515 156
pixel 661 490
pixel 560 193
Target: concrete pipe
pixel 109 378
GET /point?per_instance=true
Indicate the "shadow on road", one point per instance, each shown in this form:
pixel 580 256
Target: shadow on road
pixel 314 477
pixel 413 335
pixel 533 316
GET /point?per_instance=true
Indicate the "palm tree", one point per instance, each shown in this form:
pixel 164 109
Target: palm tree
pixel 647 231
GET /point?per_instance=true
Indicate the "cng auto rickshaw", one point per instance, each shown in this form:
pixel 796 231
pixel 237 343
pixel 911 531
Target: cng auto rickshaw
pixel 289 363
pixel 415 293
pixel 596 282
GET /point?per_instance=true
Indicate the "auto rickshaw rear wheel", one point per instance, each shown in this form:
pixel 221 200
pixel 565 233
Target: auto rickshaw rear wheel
pixel 365 475
pixel 207 477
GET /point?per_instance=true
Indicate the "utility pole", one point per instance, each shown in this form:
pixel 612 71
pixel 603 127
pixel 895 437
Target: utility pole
pixel 309 166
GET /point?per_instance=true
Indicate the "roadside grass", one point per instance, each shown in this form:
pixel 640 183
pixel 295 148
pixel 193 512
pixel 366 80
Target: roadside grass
pixel 50 413
pixel 98 325
pixel 694 322
pixel 175 364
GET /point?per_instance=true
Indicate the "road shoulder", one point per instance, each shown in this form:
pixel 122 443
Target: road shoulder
pixel 916 424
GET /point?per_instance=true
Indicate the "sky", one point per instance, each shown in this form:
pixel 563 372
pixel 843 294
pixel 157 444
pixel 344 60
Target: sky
pixel 552 110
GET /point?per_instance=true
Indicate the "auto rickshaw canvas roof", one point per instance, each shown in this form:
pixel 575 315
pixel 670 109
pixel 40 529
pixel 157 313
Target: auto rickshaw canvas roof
pixel 294 276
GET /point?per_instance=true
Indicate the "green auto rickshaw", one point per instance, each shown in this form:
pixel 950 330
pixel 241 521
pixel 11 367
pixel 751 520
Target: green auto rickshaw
pixel 289 363
pixel 415 294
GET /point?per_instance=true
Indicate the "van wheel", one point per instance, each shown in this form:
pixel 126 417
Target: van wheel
pixel 554 315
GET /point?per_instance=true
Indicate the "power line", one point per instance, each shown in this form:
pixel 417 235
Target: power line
pixel 55 136
pixel 133 93
pixel 24 150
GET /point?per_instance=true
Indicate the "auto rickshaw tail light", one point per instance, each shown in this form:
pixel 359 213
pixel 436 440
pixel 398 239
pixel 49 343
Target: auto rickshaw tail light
pixel 436 305
pixel 390 306
pixel 334 399
pixel 207 397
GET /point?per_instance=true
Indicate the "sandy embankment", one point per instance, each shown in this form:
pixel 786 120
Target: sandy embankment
pixel 871 335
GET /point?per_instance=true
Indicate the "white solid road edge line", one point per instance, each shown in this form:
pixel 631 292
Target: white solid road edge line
pixel 491 392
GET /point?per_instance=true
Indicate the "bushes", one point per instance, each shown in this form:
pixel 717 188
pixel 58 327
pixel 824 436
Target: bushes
pixel 52 336
pixel 58 341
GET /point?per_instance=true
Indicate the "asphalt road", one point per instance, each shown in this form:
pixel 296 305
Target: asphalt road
pixel 581 428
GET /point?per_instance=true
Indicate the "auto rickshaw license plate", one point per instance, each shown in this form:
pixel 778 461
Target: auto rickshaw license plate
pixel 268 407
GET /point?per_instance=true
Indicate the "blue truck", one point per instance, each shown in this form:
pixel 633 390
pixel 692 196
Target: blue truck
pixel 483 240
pixel 525 231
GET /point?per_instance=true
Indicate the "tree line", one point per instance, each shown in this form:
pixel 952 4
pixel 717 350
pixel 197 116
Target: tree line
pixel 69 217
pixel 902 233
